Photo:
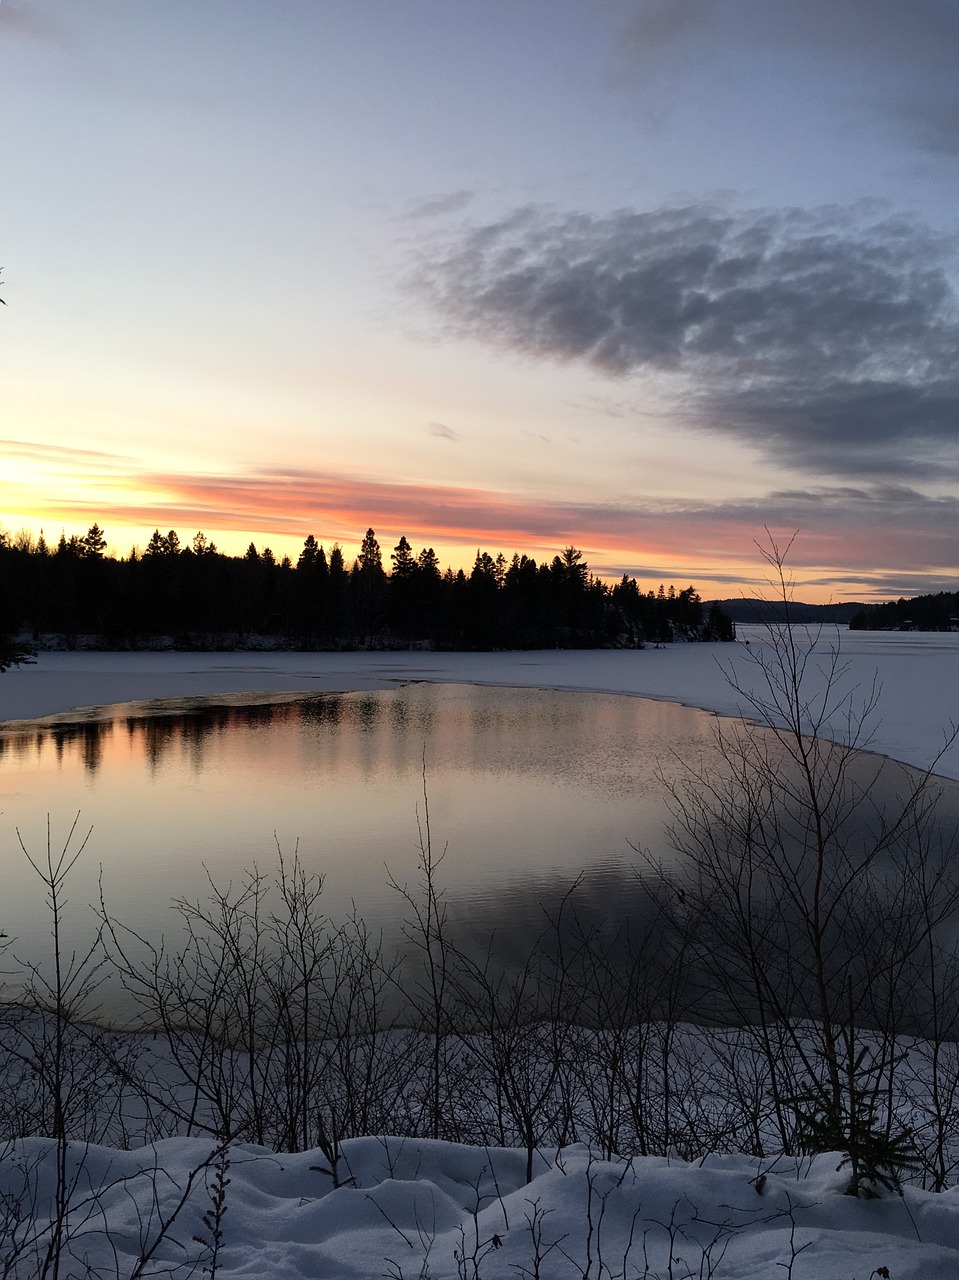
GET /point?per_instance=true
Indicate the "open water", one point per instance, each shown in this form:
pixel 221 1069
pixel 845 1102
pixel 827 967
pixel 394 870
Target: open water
pixel 523 790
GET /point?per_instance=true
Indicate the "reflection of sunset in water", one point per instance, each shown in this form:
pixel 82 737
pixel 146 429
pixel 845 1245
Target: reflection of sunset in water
pixel 523 786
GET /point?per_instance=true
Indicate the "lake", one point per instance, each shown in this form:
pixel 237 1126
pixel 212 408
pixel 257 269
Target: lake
pixel 526 789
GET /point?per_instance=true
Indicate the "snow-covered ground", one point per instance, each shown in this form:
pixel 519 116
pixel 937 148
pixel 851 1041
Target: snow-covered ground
pixel 427 1210
pixel 917 675
pixel 414 1209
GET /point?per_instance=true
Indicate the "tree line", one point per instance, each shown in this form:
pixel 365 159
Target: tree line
pixel 198 598
pixel 939 612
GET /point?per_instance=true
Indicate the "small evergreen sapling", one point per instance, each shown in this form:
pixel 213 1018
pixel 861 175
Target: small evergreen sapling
pixel 877 1156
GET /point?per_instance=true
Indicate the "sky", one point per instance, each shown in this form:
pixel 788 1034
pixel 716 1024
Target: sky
pixel 647 277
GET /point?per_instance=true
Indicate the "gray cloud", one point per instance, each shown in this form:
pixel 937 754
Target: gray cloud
pixel 866 513
pixel 879 533
pixel 900 58
pixel 881 586
pixel 937 123
pixel 866 507
pixel 828 338
pixel 18 21
pixel 910 50
pixel 441 431
pixel 924 32
pixel 441 205
pixel 659 24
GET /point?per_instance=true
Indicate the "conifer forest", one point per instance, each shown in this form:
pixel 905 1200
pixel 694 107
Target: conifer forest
pixel 191 596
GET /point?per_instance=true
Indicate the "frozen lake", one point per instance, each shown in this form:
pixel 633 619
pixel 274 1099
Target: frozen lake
pixel 917 672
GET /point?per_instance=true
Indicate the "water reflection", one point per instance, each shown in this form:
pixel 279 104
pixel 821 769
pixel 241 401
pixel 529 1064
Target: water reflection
pixel 489 729
pixel 523 784
pixel 527 789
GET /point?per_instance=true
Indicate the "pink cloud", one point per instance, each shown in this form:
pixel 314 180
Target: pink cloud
pixel 846 534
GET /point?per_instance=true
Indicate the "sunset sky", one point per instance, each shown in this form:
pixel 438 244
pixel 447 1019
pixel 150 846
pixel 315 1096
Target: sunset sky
pixel 644 276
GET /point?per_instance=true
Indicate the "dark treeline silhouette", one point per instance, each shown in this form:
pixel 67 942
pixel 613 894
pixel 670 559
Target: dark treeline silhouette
pixel 197 598
pixel 939 612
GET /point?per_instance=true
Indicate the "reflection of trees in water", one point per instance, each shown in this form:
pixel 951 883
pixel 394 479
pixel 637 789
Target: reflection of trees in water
pixel 157 737
pixel 87 737
pixel 19 744
pixel 191 733
pixel 92 741
pixel 194 739
pixel 513 732
pixel 160 731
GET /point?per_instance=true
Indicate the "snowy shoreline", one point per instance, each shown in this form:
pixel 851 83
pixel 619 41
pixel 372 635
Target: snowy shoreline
pixel 916 675
pixel 358 1206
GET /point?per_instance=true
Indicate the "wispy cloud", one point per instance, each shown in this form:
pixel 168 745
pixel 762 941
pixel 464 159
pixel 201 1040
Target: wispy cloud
pixel 67 455
pixel 866 529
pixel 828 338
pixel 67 460
pixel 441 431
pixel 441 205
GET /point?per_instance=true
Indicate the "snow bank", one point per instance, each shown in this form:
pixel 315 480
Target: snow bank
pixel 432 1209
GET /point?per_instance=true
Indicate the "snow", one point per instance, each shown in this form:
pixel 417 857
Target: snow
pixel 413 1208
pixel 917 674
pixel 420 1208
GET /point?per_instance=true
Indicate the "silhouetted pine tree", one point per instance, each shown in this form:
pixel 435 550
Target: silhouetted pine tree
pixel 195 597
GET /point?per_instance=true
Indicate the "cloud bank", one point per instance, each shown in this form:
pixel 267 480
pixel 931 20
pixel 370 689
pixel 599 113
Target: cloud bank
pixel 829 339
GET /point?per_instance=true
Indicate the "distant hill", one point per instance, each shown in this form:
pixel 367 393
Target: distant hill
pixel 744 609
pixel 939 612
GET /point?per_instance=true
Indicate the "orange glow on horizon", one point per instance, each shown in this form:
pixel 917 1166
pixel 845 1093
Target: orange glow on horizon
pixel 653 541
